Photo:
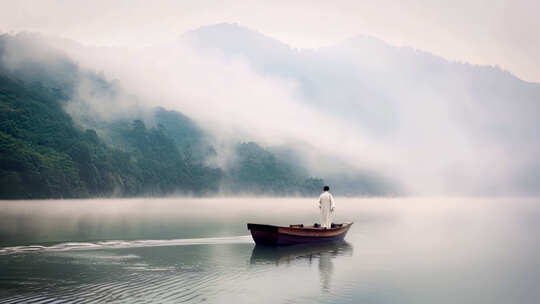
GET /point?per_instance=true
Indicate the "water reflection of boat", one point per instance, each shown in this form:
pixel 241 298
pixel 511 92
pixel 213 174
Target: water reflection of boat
pixel 296 234
pixel 322 254
pixel 284 255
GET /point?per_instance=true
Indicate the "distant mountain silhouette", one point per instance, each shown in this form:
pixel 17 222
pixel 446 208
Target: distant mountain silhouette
pixel 473 128
pixel 400 94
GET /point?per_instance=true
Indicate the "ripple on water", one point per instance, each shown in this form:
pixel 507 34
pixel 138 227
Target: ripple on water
pixel 70 246
pixel 132 278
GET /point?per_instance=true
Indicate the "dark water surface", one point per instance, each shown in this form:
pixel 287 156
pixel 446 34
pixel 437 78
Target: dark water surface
pixel 429 250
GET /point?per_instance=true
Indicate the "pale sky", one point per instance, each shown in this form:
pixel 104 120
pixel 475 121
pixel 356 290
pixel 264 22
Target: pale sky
pixel 493 32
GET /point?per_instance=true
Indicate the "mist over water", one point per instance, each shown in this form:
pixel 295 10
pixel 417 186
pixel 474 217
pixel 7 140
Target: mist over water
pixel 413 250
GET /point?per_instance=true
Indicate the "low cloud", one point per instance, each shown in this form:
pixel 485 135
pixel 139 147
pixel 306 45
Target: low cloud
pixel 351 107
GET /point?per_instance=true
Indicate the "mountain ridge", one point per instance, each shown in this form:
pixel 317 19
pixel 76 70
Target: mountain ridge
pixel 402 95
pixel 206 32
pixel 430 116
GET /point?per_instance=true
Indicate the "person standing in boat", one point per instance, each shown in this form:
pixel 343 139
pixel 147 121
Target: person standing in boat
pixel 327 206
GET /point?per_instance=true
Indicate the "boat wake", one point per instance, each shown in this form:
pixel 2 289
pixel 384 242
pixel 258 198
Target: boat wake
pixel 69 246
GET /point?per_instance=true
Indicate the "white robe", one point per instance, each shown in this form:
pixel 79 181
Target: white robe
pixel 327 205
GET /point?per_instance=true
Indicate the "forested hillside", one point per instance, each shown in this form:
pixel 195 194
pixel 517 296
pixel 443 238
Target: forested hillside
pixel 45 153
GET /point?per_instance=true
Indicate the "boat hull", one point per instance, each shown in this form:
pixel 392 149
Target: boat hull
pixel 278 236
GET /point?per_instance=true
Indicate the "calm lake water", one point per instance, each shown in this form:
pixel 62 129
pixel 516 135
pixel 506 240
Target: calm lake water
pixel 182 250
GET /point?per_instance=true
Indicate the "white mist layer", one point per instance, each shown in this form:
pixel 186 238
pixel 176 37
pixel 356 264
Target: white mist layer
pixel 415 135
pixel 233 102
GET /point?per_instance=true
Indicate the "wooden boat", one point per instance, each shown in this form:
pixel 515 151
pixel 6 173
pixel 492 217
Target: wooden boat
pixel 296 234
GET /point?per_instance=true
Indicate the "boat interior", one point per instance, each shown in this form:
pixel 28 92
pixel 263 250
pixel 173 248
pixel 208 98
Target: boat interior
pixel 316 225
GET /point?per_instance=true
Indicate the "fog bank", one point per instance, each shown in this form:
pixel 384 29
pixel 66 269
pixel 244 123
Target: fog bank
pixel 430 125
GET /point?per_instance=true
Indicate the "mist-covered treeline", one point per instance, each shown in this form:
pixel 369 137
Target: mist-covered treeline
pixel 47 153
pixel 248 113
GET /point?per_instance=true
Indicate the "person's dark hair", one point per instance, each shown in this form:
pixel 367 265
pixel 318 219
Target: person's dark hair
pixel 326 188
